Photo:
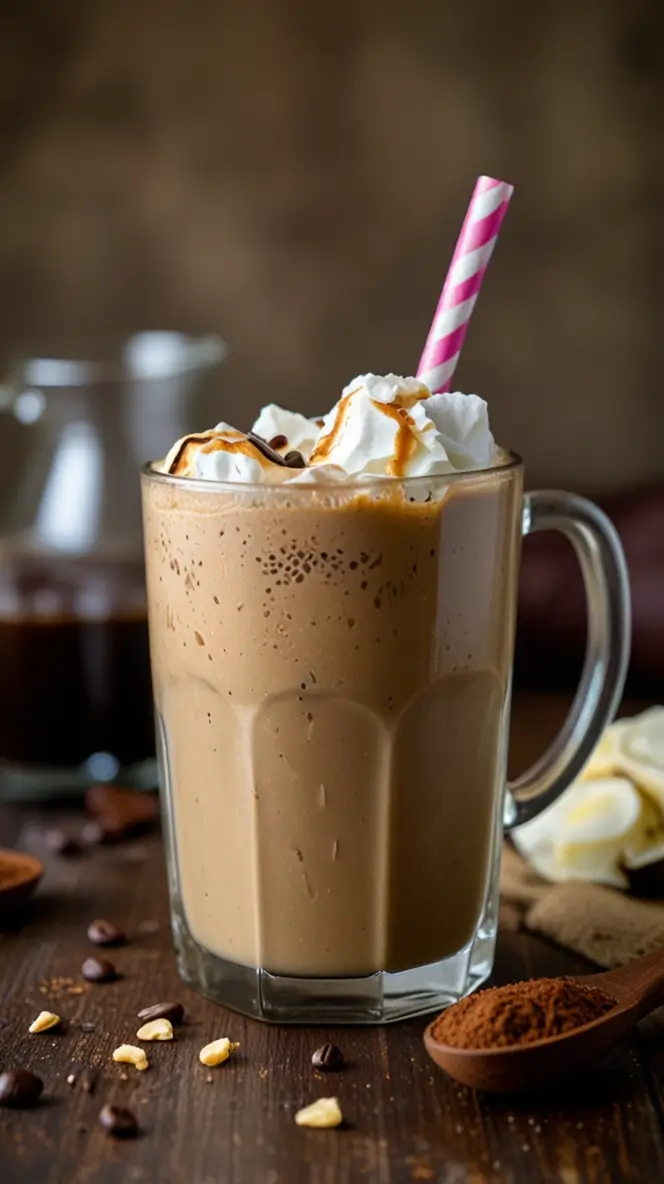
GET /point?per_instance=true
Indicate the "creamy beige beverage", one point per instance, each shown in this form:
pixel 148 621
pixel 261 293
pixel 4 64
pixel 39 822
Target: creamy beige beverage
pixel 331 669
pixel 331 608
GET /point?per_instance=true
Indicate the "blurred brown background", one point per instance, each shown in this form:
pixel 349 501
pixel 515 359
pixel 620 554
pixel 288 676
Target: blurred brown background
pixel 294 174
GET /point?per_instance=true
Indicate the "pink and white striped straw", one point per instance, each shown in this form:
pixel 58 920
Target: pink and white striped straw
pixel 479 232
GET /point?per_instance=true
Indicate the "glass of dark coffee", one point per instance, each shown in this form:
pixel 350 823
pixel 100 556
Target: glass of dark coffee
pixel 75 690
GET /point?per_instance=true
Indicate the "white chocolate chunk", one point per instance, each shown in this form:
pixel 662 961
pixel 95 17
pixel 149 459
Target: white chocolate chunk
pixel 584 835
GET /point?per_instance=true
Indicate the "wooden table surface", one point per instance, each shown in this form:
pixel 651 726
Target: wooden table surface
pixel 405 1120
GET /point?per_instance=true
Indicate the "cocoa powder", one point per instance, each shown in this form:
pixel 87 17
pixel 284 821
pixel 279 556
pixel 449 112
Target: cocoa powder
pixel 520 1013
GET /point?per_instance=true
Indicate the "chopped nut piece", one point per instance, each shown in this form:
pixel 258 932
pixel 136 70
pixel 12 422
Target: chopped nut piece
pixel 71 1080
pixel 161 1029
pixel 130 1055
pixel 217 1052
pixel 45 1020
pixel 325 1112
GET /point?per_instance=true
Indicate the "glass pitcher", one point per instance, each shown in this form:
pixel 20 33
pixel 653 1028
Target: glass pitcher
pixel 75 694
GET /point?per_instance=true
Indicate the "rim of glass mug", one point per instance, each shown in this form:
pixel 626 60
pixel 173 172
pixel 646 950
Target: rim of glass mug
pixel 509 462
pixel 148 356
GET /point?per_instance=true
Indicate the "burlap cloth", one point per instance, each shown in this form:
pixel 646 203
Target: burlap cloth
pixel 605 925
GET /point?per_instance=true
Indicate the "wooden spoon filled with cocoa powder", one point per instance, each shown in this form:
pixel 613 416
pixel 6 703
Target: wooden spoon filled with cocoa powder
pixel 530 1035
pixel 19 876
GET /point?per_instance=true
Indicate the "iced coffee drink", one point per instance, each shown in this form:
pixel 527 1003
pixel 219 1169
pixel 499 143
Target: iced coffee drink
pixel 331 645
pixel 331 607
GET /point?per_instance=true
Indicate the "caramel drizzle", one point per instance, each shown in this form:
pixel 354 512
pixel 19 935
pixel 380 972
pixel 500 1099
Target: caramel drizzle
pixel 405 444
pixel 211 442
pixel 326 444
pixel 187 445
pixel 405 441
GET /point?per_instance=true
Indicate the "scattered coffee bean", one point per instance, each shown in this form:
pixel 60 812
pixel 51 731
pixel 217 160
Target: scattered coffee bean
pixel 61 843
pixel 105 933
pixel 118 1122
pixel 19 1089
pixel 295 460
pixel 98 970
pixel 278 442
pixel 163 1011
pixel 328 1057
pixel 92 834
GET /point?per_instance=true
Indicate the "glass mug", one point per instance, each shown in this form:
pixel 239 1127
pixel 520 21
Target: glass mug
pixel 331 669
pixel 75 694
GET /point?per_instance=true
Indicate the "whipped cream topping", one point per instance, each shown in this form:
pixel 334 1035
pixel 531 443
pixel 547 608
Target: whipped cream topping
pixel 220 454
pixel 382 426
pixel 301 433
pixel 394 427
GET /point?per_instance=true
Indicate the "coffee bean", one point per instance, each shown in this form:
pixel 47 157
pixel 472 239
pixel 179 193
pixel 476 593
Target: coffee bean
pixel 92 834
pixel 118 1122
pixel 19 1089
pixel 163 1011
pixel 278 442
pixel 98 970
pixel 61 843
pixel 328 1057
pixel 106 933
pixel 295 460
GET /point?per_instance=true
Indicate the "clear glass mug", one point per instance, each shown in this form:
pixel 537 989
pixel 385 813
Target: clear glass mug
pixel 75 692
pixel 332 671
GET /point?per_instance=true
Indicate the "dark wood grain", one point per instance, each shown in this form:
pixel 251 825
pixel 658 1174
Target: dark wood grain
pixel 138 191
pixel 405 1120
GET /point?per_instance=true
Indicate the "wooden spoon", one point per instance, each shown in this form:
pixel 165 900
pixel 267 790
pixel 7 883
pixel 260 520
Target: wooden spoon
pixel 638 989
pixel 19 876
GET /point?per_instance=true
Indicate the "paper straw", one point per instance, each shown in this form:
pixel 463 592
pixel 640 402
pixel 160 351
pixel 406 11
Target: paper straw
pixel 479 232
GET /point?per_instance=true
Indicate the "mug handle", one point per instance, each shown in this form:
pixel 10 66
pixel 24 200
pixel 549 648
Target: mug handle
pixel 602 561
